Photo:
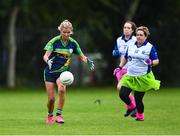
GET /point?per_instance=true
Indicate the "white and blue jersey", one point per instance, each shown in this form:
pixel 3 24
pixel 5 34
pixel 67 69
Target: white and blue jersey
pixel 136 58
pixel 122 44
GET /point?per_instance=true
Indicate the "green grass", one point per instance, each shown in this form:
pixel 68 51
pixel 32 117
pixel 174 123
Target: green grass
pixel 23 112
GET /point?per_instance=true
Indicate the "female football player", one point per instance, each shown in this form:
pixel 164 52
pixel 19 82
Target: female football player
pixel 120 48
pixel 141 56
pixel 58 55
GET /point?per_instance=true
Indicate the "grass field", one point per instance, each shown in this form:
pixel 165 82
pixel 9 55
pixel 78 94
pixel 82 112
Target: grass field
pixel 23 112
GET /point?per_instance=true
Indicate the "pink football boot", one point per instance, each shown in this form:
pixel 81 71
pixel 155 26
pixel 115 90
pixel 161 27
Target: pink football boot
pixel 49 120
pixel 140 116
pixel 131 109
pixel 59 119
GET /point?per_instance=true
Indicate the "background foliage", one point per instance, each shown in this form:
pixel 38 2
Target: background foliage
pixel 96 25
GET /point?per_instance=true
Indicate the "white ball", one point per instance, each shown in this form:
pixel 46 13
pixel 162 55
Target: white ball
pixel 66 78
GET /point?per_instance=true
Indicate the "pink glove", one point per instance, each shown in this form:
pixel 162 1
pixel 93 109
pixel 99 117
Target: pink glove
pixel 121 73
pixel 148 61
pixel 116 70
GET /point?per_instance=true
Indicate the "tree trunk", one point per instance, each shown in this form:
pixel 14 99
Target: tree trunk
pixel 11 68
pixel 132 10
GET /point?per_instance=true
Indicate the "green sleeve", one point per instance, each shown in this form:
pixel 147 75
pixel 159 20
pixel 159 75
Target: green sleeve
pixel 49 46
pixel 78 50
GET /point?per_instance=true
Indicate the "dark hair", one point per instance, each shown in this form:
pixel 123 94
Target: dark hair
pixel 132 24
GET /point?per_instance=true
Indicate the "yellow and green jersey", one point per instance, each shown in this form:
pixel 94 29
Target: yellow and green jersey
pixel 61 53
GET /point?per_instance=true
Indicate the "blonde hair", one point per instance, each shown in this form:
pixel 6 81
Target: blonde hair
pixel 144 29
pixel 65 24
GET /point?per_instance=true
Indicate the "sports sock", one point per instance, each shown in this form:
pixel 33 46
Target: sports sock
pixel 59 112
pixel 50 113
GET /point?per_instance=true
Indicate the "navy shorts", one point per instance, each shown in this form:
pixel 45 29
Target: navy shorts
pixel 51 77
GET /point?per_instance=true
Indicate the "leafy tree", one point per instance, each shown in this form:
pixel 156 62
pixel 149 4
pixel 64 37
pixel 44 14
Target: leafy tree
pixel 97 25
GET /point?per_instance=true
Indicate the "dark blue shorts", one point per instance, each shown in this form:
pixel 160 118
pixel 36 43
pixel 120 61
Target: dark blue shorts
pixel 51 77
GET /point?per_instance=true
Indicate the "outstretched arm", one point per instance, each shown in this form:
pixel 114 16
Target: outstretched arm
pixel 83 58
pixel 87 60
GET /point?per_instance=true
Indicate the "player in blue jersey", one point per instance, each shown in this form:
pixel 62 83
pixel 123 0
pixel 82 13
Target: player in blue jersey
pixel 140 56
pixel 120 48
pixel 58 55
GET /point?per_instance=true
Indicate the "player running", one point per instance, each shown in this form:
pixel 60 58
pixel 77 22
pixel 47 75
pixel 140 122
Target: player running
pixel 58 55
pixel 120 49
pixel 141 56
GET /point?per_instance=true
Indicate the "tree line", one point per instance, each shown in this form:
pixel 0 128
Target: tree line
pixel 26 26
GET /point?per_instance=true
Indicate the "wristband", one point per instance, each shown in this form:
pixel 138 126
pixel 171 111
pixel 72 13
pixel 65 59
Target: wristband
pixel 120 67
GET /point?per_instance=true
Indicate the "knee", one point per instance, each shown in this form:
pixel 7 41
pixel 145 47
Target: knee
pixel 61 89
pixel 118 87
pixel 139 96
pixel 123 93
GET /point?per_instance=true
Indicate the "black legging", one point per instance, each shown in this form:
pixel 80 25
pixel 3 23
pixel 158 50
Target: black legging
pixel 124 95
